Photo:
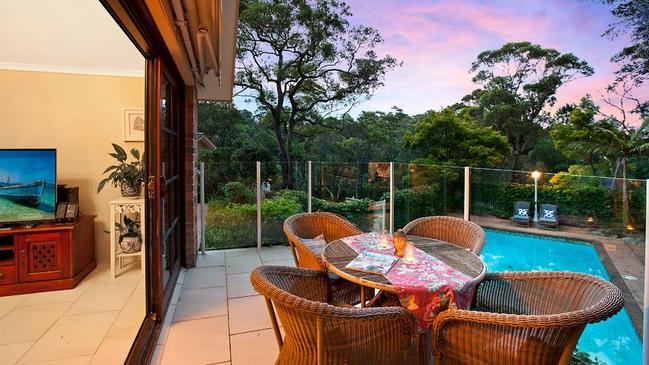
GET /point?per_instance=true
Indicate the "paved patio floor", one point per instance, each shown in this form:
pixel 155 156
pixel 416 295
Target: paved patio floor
pixel 215 316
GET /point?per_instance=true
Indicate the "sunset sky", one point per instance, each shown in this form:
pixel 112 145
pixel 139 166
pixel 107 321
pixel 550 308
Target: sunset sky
pixel 438 40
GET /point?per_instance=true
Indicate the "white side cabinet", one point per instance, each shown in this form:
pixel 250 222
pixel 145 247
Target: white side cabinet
pixel 134 209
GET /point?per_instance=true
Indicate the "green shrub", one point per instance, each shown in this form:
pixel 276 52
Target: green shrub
pixel 237 193
pixel 413 203
pixel 355 211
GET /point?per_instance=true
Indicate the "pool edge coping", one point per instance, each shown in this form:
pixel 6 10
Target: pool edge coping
pixel 632 307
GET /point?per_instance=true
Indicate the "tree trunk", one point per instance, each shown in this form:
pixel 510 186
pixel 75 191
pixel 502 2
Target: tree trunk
pixel 284 151
pixel 515 156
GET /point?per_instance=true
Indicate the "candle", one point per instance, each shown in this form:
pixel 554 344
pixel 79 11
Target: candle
pixel 409 254
pixel 383 239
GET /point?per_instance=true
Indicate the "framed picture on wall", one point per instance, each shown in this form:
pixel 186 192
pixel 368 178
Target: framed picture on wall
pixel 134 125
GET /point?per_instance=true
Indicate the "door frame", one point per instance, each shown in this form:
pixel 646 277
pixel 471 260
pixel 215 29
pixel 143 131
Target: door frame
pixel 139 25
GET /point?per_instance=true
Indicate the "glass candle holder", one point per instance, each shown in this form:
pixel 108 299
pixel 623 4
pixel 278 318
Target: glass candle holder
pixel 399 241
pixel 383 240
pixel 409 255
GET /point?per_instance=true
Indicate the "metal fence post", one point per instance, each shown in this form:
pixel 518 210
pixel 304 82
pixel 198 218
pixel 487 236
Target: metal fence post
pixel 202 207
pixel 467 192
pixel 258 205
pixel 645 306
pixel 391 197
pixel 309 186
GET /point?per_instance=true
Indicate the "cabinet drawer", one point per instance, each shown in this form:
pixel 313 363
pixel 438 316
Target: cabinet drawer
pixel 7 275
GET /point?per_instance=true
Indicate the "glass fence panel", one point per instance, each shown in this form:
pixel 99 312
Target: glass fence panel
pixel 281 198
pixel 426 190
pixel 230 217
pixel 356 191
pixel 597 227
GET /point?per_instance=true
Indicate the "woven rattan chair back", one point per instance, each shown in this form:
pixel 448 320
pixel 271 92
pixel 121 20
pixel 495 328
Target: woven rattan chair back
pixel 310 225
pixel 532 318
pixel 449 229
pixel 319 333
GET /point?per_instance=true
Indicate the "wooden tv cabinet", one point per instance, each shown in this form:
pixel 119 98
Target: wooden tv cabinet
pixel 46 257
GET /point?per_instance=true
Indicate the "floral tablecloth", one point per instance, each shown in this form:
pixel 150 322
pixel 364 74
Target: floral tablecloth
pixel 426 287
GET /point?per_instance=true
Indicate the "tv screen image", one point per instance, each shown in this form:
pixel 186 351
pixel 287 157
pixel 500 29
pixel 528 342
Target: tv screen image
pixel 27 185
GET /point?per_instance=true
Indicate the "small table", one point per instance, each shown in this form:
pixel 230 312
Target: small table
pixel 337 254
pixel 119 208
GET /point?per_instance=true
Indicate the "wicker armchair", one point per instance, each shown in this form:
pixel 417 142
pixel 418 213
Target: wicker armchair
pixel 450 229
pixel 319 333
pixel 532 318
pixel 301 227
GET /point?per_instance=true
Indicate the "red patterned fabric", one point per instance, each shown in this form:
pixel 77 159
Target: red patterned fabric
pixel 425 287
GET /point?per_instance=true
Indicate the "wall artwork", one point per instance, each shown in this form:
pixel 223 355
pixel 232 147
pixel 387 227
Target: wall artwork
pixel 134 125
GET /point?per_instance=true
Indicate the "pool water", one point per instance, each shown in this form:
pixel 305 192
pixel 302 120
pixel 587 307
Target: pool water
pixel 613 341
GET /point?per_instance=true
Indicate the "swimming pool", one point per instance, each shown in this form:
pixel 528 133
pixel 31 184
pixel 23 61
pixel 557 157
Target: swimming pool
pixel 613 341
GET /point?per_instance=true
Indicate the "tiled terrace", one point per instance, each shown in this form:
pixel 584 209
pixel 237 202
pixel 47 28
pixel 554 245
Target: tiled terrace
pixel 43 328
pixel 215 316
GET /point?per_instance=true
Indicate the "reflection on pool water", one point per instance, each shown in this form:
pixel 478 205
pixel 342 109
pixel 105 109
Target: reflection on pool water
pixel 613 341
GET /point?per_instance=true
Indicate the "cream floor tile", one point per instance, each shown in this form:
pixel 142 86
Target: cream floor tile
pixel 204 277
pixel 202 341
pixel 127 276
pixel 289 262
pixel 239 286
pixel 12 353
pixel 71 336
pixel 248 314
pixel 241 264
pixel 25 324
pixel 58 296
pixel 201 303
pixel 101 297
pixel 9 303
pixel 248 251
pixel 211 258
pixel 132 314
pixel 275 253
pixel 258 348
pixel 115 346
pixel 77 360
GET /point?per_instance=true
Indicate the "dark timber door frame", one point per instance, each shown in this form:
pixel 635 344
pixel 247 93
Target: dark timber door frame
pixel 166 168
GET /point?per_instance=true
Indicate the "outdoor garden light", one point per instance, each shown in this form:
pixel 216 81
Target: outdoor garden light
pixel 536 175
pixel 630 228
pixel 590 219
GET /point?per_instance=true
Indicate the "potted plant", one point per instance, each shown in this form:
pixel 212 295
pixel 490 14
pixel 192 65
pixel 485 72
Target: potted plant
pixel 128 175
pixel 130 237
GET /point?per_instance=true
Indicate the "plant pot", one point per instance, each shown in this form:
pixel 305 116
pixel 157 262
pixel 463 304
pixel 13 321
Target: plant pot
pixel 131 244
pixel 129 191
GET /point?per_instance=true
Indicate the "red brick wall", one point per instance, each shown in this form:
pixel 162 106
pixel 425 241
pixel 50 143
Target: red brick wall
pixel 189 196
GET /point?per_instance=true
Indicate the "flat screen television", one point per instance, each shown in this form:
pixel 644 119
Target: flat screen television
pixel 27 185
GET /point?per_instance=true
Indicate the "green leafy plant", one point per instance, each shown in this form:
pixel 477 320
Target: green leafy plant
pixel 124 172
pixel 237 193
pixel 130 228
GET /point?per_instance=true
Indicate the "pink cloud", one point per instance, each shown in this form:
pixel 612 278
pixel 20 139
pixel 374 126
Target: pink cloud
pixel 438 40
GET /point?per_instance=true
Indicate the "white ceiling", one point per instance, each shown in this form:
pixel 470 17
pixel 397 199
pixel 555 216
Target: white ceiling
pixel 73 36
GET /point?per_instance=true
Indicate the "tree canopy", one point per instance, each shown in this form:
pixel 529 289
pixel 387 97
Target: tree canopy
pixel 301 60
pixel 633 19
pixel 453 138
pixel 518 81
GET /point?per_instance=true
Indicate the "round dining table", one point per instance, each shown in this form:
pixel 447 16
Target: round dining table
pixel 337 254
